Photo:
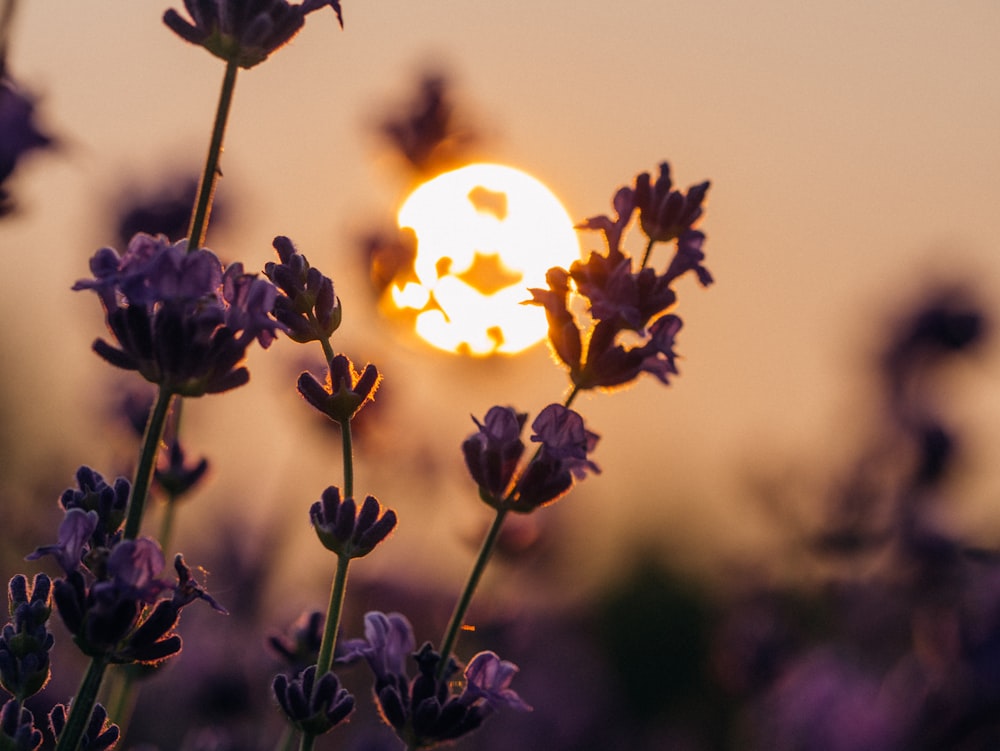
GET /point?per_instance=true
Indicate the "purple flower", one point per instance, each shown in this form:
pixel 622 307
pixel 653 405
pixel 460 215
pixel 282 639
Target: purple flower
pixel 17 727
pixel 564 334
pixel 18 133
pixel 624 205
pixel 388 641
pixel 243 31
pixel 347 530
pixel 492 453
pixel 312 706
pixel 110 502
pixel 132 569
pixel 616 293
pixel 307 307
pixel 345 391
pixel 664 213
pixel 179 319
pixel 488 678
pixel 25 641
pixel 689 256
pixel 75 532
pixel 101 734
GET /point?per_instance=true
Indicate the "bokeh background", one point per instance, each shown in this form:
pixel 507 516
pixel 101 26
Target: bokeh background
pixel 854 154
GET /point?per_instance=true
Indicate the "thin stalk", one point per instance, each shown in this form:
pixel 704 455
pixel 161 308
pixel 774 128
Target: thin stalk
pixel 333 613
pixel 348 448
pixel 645 256
pixel 7 11
pixel 121 697
pixel 287 741
pixel 82 706
pixel 462 606
pixel 206 189
pixel 147 462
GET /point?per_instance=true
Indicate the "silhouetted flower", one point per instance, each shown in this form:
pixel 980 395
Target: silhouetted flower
pixel 109 502
pixel 308 307
pixel 100 734
pixel 243 31
pixel 311 705
pixel 424 710
pixel 25 641
pixel 492 453
pixel 17 728
pixel 623 204
pixel 75 532
pixel 345 391
pixel 19 134
pixel 347 530
pixel 299 647
pixel 664 213
pixel 174 475
pixel 179 319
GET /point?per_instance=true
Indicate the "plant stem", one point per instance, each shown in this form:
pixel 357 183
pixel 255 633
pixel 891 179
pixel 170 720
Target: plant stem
pixel 333 613
pixel 206 189
pixel 645 256
pixel 147 462
pixel 458 617
pixel 345 434
pixel 287 740
pixel 82 706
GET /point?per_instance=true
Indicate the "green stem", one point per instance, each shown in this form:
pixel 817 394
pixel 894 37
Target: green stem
pixel 458 617
pixel 348 448
pixel 147 462
pixel 645 256
pixel 325 343
pixel 287 740
pixel 206 190
pixel 121 696
pixel 82 706
pixel 333 613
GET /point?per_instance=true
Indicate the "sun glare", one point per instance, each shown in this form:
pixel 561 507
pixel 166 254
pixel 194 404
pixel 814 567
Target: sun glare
pixel 485 234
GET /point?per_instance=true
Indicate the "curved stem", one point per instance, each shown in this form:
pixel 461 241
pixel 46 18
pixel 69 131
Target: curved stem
pixel 645 256
pixel 330 630
pixel 206 189
pixel 462 606
pixel 82 706
pixel 147 462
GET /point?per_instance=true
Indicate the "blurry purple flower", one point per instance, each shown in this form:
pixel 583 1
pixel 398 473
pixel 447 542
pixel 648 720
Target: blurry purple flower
pixel 164 209
pixel 101 734
pixel 311 705
pixel 488 678
pixel 347 530
pixel 308 307
pixel 187 590
pixel 492 453
pixel 18 133
pixel 17 727
pixel 133 568
pixel 75 531
pixel 624 204
pixel 175 476
pixel 299 647
pixel 345 391
pixel 664 213
pixel 179 320
pixel 688 257
pixel 243 31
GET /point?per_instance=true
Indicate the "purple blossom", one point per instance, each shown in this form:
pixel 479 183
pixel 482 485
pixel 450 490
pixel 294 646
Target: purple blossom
pixel 75 532
pixel 25 641
pixel 313 705
pixel 488 678
pixel 17 727
pixel 347 530
pixel 345 391
pixel 132 570
pixel 243 31
pixel 307 305
pixel 492 453
pixel 387 643
pixel 624 204
pixel 616 293
pixel 564 438
pixel 179 319
pixel 101 733
pixel 664 213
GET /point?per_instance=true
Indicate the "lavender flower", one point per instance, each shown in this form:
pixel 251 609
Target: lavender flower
pixel 664 213
pixel 347 530
pixel 179 319
pixel 492 453
pixel 424 710
pixel 299 648
pixel 75 533
pixel 345 391
pixel 307 307
pixel 175 476
pixel 25 641
pixel 17 728
pixel 100 734
pixel 19 134
pixel 313 706
pixel 243 31
pixel 109 502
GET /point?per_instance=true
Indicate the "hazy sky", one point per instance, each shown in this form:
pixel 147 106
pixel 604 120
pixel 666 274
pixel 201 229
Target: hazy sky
pixel 853 148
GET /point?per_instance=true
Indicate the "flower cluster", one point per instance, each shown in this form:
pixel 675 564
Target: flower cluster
pixel 25 641
pixel 493 452
pixel 311 705
pixel 307 305
pixel 425 710
pixel 624 303
pixel 180 319
pixel 347 530
pixel 19 134
pixel 244 32
pixel 112 598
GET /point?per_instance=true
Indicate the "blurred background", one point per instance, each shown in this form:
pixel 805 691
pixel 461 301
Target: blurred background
pixel 854 155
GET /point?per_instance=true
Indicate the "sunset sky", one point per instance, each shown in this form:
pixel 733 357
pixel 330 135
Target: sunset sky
pixel 854 154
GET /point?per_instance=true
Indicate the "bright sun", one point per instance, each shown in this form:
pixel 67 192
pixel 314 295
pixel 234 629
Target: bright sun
pixel 485 234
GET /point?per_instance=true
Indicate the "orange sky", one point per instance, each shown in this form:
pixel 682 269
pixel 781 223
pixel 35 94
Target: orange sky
pixel 853 149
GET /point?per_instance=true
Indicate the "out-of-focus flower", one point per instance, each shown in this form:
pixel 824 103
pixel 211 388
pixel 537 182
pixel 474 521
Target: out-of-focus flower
pixel 179 319
pixel 424 710
pixel 299 647
pixel 101 733
pixel 243 31
pixel 492 453
pixel 347 530
pixel 175 476
pixel 313 706
pixel 17 728
pixel 345 391
pixel 308 307
pixel 25 641
pixel 19 134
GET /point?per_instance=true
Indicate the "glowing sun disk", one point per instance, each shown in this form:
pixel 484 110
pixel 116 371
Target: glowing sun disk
pixel 485 234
